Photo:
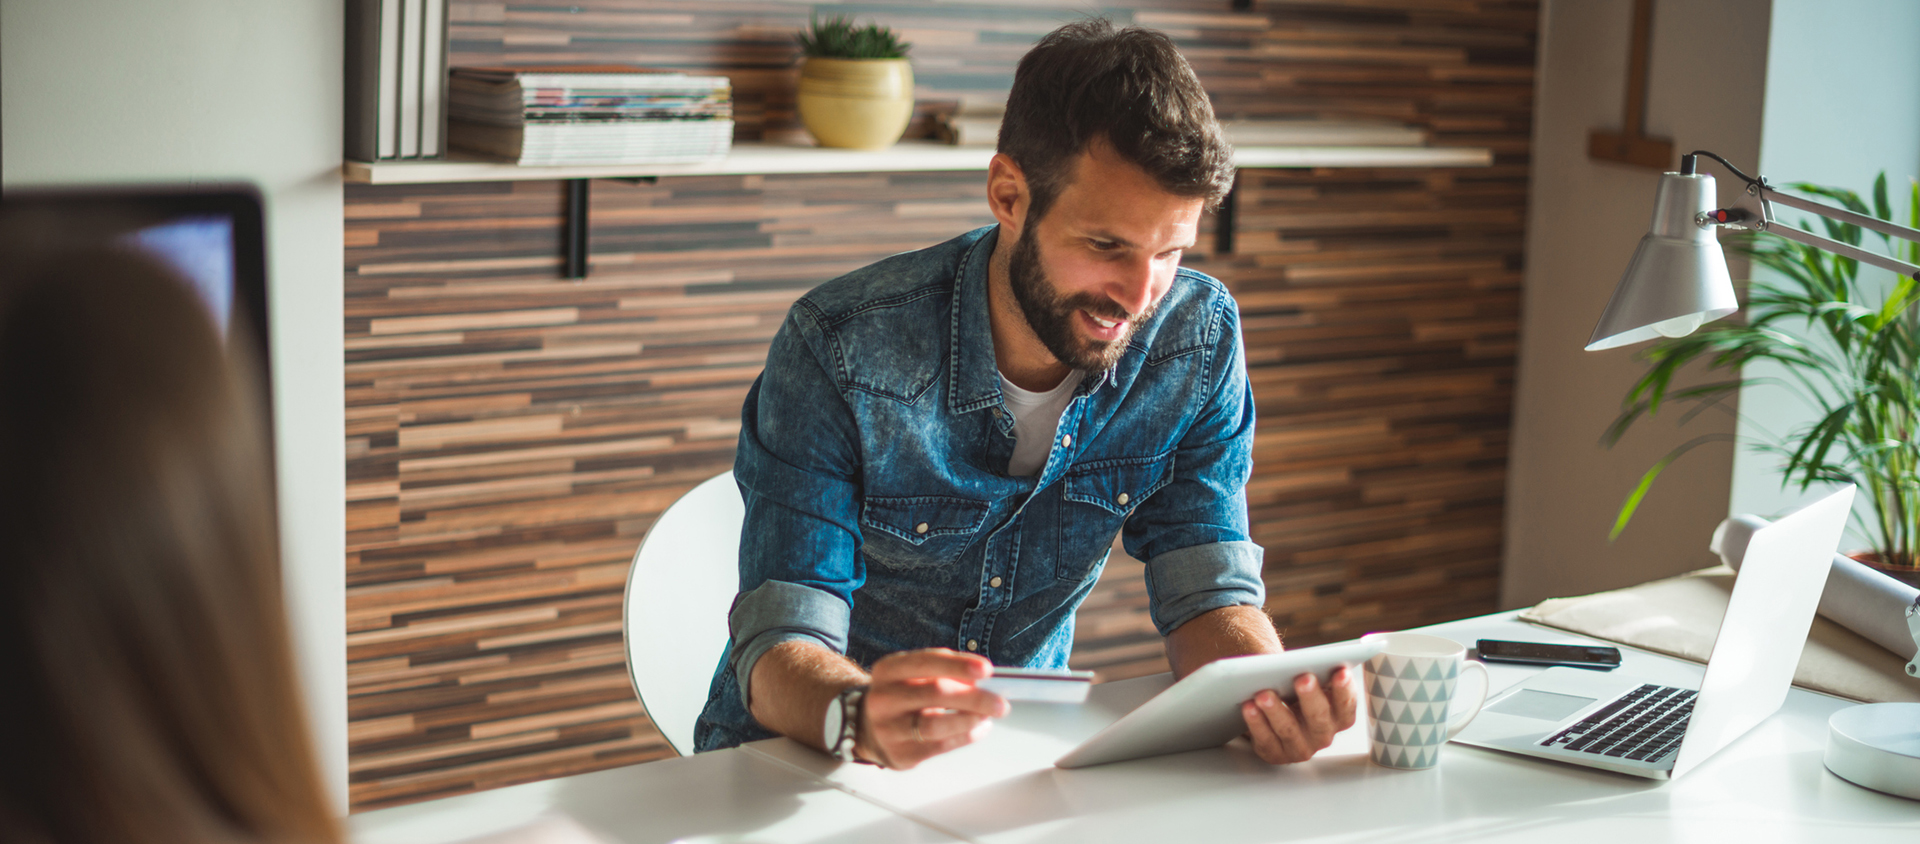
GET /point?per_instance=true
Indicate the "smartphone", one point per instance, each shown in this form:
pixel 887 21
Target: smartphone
pixel 1541 653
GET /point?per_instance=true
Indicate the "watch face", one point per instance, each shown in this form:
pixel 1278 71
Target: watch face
pixel 838 731
pixel 830 731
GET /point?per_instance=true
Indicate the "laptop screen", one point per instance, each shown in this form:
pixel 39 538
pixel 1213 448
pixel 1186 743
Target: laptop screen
pixel 200 248
pixel 212 238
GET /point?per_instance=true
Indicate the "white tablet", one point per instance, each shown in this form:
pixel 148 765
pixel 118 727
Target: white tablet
pixel 1203 709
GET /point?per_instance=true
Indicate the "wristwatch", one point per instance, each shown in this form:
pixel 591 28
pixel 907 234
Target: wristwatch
pixel 842 726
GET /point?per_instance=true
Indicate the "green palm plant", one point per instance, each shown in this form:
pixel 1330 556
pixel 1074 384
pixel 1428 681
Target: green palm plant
pixel 1849 352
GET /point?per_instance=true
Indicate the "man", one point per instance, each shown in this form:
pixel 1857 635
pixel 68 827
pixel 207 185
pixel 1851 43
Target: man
pixel 944 444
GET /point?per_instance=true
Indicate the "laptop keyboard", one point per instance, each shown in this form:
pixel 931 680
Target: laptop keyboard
pixel 1645 725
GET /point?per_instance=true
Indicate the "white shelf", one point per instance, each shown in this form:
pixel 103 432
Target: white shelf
pixel 907 156
pixel 1305 157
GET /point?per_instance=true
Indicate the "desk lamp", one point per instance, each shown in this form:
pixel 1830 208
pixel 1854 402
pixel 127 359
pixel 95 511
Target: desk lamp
pixel 1676 282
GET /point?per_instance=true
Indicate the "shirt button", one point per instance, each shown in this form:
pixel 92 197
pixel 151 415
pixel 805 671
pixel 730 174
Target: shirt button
pixel 996 413
pixel 973 644
pixel 995 583
pixel 922 527
pixel 1122 499
pixel 1066 441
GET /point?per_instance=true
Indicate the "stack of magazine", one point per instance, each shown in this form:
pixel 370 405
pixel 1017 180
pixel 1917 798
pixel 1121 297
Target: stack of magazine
pixel 589 114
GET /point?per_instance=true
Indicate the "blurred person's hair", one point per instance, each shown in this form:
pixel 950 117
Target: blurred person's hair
pixel 1131 87
pixel 146 675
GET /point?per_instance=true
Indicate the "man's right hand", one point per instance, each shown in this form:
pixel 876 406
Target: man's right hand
pixel 923 703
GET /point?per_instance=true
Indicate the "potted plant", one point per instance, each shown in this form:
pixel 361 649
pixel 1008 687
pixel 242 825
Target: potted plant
pixel 1851 353
pixel 856 87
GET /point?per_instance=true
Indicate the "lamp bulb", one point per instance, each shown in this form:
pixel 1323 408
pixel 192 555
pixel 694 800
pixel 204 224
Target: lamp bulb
pixel 1680 326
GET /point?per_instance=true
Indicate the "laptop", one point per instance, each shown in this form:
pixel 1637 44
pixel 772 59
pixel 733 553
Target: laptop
pixel 1616 722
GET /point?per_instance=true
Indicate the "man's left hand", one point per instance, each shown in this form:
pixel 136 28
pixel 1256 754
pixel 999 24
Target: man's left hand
pixel 1284 732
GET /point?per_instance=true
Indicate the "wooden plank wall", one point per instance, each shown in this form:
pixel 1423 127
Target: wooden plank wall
pixel 511 435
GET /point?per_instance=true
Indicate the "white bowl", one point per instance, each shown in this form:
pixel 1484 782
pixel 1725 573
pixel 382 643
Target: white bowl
pixel 1877 746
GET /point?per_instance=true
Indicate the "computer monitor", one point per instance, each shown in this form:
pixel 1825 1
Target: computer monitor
pixel 214 238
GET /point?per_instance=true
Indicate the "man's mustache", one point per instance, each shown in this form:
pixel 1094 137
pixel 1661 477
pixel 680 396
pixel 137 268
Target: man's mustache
pixel 1099 306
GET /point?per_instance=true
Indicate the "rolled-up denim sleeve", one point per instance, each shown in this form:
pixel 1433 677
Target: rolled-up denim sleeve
pixel 798 469
pixel 1194 533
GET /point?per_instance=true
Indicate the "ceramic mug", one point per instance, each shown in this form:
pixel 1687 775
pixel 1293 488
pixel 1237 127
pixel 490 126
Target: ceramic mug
pixel 1411 685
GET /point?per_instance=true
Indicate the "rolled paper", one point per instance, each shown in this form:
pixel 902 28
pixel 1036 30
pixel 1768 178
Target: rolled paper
pixel 1857 597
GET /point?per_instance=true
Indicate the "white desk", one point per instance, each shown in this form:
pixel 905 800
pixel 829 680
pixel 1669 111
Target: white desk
pixel 728 796
pixel 1769 786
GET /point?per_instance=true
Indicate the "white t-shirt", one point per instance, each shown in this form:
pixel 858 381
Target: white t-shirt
pixel 1036 418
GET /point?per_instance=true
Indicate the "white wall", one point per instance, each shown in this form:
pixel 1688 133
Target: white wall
pixel 1842 104
pixel 196 91
pixel 1584 219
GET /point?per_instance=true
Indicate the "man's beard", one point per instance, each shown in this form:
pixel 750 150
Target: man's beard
pixel 1052 316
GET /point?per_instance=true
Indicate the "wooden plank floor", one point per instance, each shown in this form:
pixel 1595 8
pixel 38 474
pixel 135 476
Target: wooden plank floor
pixel 511 434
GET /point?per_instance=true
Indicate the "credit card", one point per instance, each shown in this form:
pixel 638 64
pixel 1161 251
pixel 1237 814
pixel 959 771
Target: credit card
pixel 1045 686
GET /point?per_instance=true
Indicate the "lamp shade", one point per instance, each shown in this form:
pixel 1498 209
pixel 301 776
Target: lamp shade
pixel 1677 280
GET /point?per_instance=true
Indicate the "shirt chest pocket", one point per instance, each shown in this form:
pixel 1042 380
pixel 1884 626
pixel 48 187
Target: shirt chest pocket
pixel 927 530
pixel 1098 497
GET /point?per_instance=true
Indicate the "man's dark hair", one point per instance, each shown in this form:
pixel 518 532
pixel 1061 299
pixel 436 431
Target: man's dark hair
pixel 1087 80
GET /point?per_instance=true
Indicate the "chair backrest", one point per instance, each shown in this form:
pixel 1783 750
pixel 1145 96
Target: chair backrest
pixel 675 619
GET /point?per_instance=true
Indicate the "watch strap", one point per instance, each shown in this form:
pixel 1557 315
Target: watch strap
pixel 849 704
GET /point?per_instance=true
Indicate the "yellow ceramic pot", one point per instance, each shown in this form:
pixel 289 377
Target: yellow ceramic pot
pixel 856 103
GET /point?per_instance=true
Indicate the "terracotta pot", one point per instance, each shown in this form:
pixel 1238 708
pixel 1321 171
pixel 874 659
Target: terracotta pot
pixel 1905 574
pixel 856 103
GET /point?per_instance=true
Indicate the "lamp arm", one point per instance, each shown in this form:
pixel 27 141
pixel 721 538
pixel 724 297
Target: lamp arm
pixel 1843 215
pixel 1764 195
pixel 1846 251
pixel 1913 627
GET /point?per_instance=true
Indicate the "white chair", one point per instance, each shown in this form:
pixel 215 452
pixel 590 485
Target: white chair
pixel 683 580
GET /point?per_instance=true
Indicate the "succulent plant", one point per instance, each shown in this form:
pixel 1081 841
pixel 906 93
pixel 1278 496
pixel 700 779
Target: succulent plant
pixel 838 38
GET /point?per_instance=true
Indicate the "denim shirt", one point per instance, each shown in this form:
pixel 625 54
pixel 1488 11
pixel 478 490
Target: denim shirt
pixel 879 513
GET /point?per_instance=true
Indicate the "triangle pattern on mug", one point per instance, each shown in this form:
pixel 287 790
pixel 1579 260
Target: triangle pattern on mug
pixel 1381 668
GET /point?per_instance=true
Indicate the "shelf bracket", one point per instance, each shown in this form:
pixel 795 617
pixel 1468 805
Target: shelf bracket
pixel 573 235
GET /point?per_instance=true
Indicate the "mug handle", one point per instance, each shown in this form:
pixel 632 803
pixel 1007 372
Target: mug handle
pixel 1486 685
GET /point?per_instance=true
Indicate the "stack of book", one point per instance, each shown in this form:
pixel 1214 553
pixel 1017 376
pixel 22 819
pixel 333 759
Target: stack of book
pixel 975 123
pixel 589 114
pixel 396 54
